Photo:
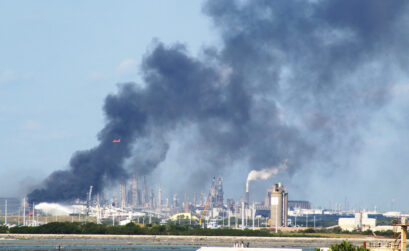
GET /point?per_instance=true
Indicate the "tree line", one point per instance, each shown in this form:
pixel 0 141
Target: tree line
pixel 129 229
pixel 170 229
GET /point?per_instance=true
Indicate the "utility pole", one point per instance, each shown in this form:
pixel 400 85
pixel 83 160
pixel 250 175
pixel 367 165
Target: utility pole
pixel 228 221
pixel 253 213
pixel 306 221
pixel 242 215
pixel 33 214
pixel 24 211
pixel 5 213
pixel 314 221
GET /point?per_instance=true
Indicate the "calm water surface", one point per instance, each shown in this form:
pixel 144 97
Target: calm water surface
pixel 88 245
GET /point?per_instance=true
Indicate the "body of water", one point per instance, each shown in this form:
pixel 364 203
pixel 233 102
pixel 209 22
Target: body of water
pixel 92 245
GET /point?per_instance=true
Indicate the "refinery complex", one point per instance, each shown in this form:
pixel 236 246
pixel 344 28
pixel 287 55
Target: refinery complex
pixel 135 201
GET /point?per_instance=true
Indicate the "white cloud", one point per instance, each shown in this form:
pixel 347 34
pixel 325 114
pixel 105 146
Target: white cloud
pixel 127 66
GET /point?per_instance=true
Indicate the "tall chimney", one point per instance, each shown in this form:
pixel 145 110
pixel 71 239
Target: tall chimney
pixel 160 197
pixel 247 192
pixel 144 193
pixel 134 186
pixel 123 194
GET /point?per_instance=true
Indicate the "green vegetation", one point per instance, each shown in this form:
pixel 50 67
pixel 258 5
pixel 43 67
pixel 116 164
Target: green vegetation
pixel 338 230
pixel 387 233
pixel 335 230
pixel 173 228
pixel 346 246
pixel 136 229
pixel 131 228
pixel 3 229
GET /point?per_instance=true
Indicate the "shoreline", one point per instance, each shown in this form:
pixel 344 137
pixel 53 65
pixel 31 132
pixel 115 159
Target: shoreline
pixel 184 240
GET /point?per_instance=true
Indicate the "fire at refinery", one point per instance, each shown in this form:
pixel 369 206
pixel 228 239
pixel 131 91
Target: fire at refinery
pixel 272 96
pixel 139 202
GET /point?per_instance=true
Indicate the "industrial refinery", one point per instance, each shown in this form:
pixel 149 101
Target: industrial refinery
pixel 138 201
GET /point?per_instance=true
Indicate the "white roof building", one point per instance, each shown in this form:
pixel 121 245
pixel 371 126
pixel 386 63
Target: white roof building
pixel 360 221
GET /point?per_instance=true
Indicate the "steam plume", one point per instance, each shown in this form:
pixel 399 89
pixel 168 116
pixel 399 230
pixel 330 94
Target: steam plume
pixel 266 173
pixel 55 209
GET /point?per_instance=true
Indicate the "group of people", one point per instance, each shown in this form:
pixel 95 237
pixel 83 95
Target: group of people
pixel 241 244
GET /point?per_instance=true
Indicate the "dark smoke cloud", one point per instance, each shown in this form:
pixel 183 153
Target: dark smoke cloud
pixel 329 64
pixel 293 81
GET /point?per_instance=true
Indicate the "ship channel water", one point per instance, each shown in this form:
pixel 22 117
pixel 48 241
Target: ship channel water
pixel 87 245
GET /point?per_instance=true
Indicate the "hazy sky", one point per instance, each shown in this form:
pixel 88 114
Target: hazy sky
pixel 59 60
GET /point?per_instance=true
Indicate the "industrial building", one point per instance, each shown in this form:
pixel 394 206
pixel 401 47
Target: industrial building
pixel 140 199
pixel 277 200
pixel 216 193
pixel 361 222
pixel 300 204
pixel 126 203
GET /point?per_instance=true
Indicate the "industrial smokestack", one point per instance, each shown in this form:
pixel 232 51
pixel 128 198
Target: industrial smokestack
pixel 263 175
pixel 134 189
pixel 247 191
pixel 145 196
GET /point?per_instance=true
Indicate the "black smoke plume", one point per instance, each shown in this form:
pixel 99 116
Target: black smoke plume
pixel 293 81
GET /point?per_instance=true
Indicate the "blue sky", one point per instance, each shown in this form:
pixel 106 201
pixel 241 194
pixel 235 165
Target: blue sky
pixel 59 60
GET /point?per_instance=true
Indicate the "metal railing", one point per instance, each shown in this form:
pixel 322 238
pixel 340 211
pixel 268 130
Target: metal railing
pixel 384 244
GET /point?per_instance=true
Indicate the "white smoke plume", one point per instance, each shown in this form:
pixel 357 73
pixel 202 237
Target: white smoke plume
pixel 55 209
pixel 266 173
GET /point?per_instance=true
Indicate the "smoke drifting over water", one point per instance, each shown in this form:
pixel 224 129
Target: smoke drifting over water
pixel 294 80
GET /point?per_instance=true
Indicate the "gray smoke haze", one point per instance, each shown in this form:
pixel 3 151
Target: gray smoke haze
pixel 293 80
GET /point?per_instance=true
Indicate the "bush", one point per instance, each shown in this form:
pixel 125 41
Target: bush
pixel 367 232
pixel 158 230
pixel 59 228
pixel 387 233
pixel 308 230
pixel 3 229
pixel 23 230
pixel 337 230
pixel 92 228
pixel 346 246
pixel 50 228
pixel 130 228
